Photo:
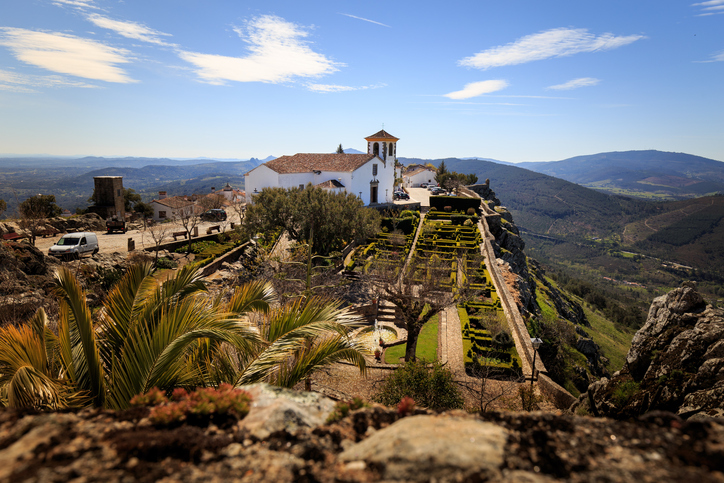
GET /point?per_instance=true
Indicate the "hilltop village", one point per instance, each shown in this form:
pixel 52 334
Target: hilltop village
pixel 342 318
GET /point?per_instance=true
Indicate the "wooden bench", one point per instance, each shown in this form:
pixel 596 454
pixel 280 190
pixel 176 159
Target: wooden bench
pixel 176 234
pixel 212 228
pixel 12 236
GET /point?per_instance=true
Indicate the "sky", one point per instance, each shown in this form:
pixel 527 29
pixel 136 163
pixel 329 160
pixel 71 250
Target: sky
pixel 515 80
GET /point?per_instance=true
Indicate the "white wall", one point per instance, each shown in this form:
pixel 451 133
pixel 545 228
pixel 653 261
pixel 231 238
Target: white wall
pixel 423 177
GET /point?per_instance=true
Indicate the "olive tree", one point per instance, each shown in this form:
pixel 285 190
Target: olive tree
pixel 329 220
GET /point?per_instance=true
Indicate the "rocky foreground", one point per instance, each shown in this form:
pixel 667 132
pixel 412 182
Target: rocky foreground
pixel 288 436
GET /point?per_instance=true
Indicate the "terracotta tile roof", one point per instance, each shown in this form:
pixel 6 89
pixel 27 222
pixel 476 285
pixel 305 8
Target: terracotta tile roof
pixel 308 162
pixel 382 135
pixel 331 184
pixel 174 202
pixel 417 171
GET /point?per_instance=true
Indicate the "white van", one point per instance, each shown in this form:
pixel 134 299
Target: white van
pixel 75 245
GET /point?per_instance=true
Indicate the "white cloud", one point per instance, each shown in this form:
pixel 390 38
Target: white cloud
pixel 544 45
pixel 12 81
pixel 66 54
pixel 278 53
pixel 76 3
pixel 712 7
pixel 576 83
pixel 365 19
pixel 475 89
pixel 131 30
pixel 719 57
pixel 324 88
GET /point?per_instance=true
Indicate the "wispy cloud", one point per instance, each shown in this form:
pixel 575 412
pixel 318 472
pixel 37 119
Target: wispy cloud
pixel 325 88
pixel 712 7
pixel 278 54
pixel 476 89
pixel 76 3
pixel 365 19
pixel 559 42
pixel 575 84
pixel 66 54
pixel 131 30
pixel 12 81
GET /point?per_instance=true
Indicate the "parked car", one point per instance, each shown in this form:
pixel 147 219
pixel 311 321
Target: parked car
pixel 437 191
pixel 400 195
pixel 215 214
pixel 115 224
pixel 423 185
pixel 75 245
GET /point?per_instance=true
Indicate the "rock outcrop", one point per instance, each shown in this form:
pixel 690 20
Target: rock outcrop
pixel 285 438
pixel 676 363
pixel 25 280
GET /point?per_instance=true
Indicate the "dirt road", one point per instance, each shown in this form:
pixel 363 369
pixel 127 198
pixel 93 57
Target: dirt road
pixel 118 242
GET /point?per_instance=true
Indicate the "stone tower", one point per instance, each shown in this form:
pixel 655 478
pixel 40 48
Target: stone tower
pixel 109 200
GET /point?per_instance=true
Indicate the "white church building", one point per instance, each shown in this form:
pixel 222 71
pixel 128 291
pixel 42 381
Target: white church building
pixel 369 176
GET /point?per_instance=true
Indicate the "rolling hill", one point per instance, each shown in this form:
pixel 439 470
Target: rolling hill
pixel 647 174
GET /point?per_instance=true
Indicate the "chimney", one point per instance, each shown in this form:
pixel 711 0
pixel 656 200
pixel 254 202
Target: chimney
pixel 161 195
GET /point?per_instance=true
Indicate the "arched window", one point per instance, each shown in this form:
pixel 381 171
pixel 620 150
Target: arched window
pixel 376 149
pixel 390 153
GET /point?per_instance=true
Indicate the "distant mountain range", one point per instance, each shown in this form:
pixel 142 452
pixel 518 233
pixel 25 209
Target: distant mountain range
pixel 648 174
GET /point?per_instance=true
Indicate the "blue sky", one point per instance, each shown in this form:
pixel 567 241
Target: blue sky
pixel 512 80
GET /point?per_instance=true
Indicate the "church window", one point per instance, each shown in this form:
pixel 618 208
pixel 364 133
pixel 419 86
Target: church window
pixel 390 153
pixel 376 149
pixel 374 170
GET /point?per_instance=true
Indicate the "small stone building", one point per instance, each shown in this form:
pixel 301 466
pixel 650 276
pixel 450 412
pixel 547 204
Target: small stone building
pixel 109 201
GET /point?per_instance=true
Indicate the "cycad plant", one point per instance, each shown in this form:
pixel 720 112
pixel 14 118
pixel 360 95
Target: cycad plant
pixel 298 339
pixel 144 336
pixel 166 334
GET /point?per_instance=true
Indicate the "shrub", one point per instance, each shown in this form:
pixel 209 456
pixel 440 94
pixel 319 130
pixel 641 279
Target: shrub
pixel 432 387
pixel 471 211
pixel 199 406
pixel 503 340
pixel 342 409
pixel 165 263
pixel 447 209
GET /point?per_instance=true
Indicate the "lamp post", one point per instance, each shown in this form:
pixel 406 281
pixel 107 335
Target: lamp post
pixel 536 343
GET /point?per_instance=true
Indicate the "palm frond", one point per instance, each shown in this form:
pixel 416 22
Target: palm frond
pixel 160 355
pixel 78 340
pixel 126 298
pixel 322 353
pixel 298 327
pixel 255 296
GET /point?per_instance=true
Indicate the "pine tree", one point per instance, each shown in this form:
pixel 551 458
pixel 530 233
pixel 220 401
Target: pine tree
pixel 339 149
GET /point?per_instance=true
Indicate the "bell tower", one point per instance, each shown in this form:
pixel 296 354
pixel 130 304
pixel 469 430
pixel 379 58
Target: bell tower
pixel 383 145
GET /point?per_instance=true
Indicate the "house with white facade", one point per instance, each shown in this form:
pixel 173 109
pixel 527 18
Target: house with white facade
pixel 369 176
pixel 168 208
pixel 420 174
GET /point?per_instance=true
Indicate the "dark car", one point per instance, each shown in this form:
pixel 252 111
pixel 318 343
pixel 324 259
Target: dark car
pixel 400 195
pixel 215 214
pixel 437 191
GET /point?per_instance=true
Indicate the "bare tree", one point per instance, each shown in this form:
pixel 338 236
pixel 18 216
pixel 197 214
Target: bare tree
pixel 420 289
pixel 158 234
pixel 239 207
pixel 189 217
pixel 211 201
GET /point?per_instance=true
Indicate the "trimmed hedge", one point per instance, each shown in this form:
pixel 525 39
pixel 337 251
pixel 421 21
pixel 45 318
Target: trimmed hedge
pixel 458 203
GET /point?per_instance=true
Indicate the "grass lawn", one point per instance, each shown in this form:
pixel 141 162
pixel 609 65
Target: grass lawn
pixel 426 344
pixel 613 342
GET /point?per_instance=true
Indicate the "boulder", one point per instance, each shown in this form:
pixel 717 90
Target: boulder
pixel 676 363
